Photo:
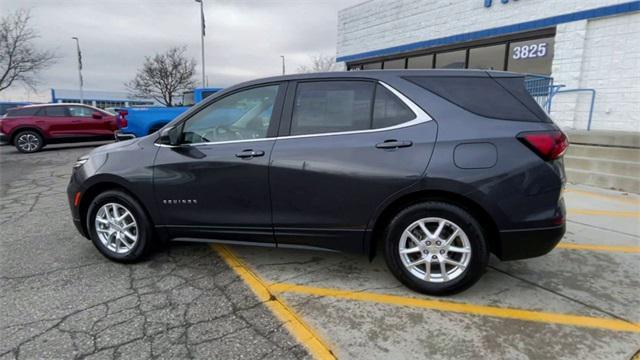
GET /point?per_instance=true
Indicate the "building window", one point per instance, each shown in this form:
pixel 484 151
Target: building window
pixel 451 60
pixel 531 56
pixel 420 62
pixel 487 57
pixel 394 64
pixel 372 66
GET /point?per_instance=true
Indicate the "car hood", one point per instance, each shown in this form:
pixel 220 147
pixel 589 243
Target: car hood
pixel 117 146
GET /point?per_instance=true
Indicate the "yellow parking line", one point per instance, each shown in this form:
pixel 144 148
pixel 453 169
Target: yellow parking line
pixel 631 214
pixel 449 306
pixel 612 248
pixel 300 330
pixel 628 200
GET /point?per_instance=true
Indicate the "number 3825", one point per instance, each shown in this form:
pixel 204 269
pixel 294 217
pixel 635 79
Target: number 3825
pixel 530 51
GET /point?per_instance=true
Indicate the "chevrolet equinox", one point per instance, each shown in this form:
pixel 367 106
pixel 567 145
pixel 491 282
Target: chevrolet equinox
pixel 439 168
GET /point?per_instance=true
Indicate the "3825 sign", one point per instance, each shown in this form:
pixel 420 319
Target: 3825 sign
pixel 529 51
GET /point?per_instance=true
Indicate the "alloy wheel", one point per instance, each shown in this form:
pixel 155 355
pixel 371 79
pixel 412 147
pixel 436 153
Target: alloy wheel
pixel 434 250
pixel 117 228
pixel 28 142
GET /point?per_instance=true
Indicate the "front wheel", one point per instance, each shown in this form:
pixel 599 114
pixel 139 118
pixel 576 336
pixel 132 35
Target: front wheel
pixel 436 248
pixel 119 227
pixel 28 142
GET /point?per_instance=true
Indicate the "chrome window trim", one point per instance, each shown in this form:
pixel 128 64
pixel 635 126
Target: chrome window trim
pixel 421 117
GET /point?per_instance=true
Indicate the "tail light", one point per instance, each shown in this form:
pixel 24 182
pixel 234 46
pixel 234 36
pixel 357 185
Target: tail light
pixel 122 119
pixel 549 145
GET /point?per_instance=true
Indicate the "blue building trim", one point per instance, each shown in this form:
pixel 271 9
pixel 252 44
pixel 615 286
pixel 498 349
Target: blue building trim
pixel 501 30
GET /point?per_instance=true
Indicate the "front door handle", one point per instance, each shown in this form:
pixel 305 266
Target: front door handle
pixel 393 144
pixel 248 154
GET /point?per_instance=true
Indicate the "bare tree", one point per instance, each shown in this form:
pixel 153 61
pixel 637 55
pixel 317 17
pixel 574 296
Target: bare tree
pixel 164 76
pixel 321 63
pixel 20 61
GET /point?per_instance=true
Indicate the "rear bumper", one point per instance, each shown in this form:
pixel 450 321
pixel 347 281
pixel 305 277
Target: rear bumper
pixel 4 138
pixel 528 243
pixel 120 136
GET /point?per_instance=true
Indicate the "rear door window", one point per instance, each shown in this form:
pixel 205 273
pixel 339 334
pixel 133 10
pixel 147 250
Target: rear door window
pixel 332 106
pixel 56 111
pixel 499 98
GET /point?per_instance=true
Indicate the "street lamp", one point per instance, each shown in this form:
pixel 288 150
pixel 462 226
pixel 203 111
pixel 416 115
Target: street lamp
pixel 202 26
pixel 282 56
pixel 79 67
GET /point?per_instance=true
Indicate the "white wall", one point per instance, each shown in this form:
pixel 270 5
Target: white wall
pixel 379 24
pixel 601 53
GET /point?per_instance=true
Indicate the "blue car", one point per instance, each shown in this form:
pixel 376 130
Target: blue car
pixel 141 121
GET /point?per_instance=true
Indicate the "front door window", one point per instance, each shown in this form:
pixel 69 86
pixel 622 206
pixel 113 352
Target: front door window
pixel 245 115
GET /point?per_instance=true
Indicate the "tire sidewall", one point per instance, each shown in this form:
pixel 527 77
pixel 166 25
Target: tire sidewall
pixel 455 214
pixel 38 136
pixel 144 228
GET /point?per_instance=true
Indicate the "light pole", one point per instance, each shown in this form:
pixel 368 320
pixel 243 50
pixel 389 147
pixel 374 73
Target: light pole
pixel 282 56
pixel 79 67
pixel 202 26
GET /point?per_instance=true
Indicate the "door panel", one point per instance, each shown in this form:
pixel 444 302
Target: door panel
pixel 206 191
pixel 216 184
pixel 326 188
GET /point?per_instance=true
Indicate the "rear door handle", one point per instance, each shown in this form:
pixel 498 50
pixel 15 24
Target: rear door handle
pixel 393 144
pixel 247 154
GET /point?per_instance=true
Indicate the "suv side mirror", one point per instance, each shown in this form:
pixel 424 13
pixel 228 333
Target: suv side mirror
pixel 96 115
pixel 169 136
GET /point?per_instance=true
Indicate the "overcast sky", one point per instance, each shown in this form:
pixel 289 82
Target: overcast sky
pixel 245 38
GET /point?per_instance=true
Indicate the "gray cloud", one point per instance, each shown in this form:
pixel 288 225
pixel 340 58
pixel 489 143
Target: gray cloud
pixel 245 38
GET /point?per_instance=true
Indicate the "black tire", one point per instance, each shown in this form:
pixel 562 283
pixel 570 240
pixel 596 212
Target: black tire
pixel 479 256
pixel 28 141
pixel 144 229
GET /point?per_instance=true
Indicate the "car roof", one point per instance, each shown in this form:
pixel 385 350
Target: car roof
pixel 380 74
pixel 54 104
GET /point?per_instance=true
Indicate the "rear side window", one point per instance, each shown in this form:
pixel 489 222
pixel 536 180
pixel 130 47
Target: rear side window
pixel 23 112
pixel 339 106
pixel 388 110
pixel 500 98
pixel 55 111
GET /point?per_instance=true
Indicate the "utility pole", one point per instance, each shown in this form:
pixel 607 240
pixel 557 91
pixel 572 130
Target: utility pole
pixel 79 67
pixel 282 56
pixel 202 33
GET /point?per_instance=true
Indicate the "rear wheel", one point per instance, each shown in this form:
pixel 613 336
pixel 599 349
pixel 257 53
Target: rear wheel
pixel 436 248
pixel 28 141
pixel 119 227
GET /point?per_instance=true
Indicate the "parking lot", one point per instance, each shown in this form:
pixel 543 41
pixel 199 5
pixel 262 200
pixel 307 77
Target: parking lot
pixel 61 299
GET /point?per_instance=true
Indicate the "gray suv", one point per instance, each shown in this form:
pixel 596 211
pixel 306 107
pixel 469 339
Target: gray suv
pixel 437 168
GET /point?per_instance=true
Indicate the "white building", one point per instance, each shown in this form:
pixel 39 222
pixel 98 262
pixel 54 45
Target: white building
pixel 581 44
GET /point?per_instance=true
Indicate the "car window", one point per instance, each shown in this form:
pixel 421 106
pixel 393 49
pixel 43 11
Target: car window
pixel 388 110
pixel 55 111
pixel 499 98
pixel 240 116
pixel 30 111
pixel 332 106
pixel 80 111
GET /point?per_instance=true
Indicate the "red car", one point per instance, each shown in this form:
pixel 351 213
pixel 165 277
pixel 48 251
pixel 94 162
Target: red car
pixel 31 127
